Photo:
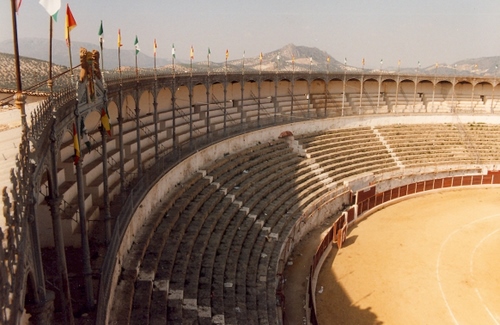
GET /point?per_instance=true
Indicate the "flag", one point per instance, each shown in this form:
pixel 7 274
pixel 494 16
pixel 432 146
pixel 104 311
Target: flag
pixel 173 51
pixel 84 135
pixel 69 25
pixel 101 32
pixel 328 59
pixel 260 56
pixel 76 145
pixel 105 121
pixel 136 45
pixel 155 46
pixel 363 61
pixel 293 58
pixel 51 6
pixel 227 54
pixel 345 61
pixel 18 5
pixel 208 54
pixel 191 53
pixel 119 43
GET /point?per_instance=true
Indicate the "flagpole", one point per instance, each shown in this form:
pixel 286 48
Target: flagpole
pixel 19 98
pixel 119 56
pixel 208 62
pixel 173 59
pixel 154 62
pixel 50 82
pixel 69 51
pixel 136 71
pixel 102 53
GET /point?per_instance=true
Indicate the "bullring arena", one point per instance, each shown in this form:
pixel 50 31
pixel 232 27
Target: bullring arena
pixel 188 211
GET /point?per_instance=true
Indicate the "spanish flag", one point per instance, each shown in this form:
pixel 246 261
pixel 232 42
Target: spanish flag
pixel 227 54
pixel 260 56
pixel 69 25
pixel 105 121
pixel 76 144
pixel 191 53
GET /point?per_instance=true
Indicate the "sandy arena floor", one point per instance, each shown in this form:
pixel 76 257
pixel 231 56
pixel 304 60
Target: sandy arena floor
pixel 433 259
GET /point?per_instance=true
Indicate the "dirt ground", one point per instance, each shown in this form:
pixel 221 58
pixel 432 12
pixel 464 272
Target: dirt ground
pixel 433 259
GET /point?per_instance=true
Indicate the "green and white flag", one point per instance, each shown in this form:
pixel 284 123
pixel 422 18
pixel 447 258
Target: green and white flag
pixel 101 33
pixel 52 7
pixel 173 51
pixel 136 45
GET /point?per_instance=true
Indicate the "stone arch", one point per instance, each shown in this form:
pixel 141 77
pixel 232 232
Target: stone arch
pixel 444 90
pixel 352 86
pixel 370 85
pixel 164 99
pixel 335 86
pixel 113 112
pixel 146 100
pixel 389 86
pixel 128 106
pixel 30 300
pixel 182 96
pixel 42 209
pixel 199 93
pixel 318 86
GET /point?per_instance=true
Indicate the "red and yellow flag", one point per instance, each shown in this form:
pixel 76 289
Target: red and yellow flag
pixel 227 54
pixel 191 53
pixel 119 42
pixel 69 25
pixel 105 121
pixel 76 145
pixel 155 46
pixel 260 56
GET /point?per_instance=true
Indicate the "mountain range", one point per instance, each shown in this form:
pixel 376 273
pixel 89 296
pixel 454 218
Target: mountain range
pixel 290 57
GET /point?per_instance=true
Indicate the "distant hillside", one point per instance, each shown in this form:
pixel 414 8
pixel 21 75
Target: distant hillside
pixel 34 65
pixel 38 48
pixel 33 72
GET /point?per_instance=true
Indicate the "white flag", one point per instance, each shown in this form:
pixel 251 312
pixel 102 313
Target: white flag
pixel 51 6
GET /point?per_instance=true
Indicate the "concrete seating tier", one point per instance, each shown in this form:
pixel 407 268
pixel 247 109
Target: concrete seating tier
pixel 418 145
pixel 179 266
pixel 212 257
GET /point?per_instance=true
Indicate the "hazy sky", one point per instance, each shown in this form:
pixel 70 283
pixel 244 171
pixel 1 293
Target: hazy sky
pixel 428 31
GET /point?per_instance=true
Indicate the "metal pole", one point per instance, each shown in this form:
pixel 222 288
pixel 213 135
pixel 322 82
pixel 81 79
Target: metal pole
pixel 87 269
pixel 138 129
pixel 54 203
pixel 343 87
pixel 50 82
pixel 19 97
pixel 105 197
